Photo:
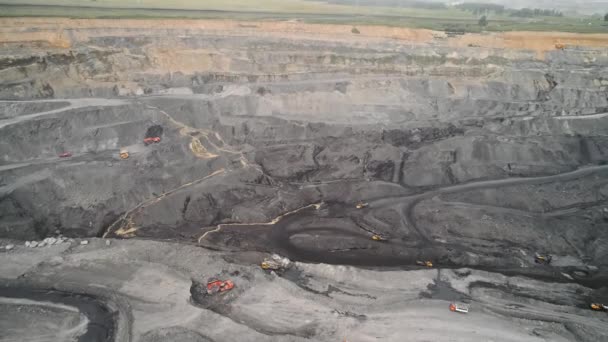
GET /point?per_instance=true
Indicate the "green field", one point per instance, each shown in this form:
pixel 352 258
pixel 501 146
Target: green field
pixel 308 11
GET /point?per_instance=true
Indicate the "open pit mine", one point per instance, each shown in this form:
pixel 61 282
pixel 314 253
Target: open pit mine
pixel 200 180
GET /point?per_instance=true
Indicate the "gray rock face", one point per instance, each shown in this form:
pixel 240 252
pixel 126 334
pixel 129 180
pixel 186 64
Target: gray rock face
pixel 256 130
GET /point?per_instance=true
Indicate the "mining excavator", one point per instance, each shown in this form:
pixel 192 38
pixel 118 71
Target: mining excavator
pixel 275 263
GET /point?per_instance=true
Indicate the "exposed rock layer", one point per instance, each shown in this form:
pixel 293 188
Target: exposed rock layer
pixel 256 128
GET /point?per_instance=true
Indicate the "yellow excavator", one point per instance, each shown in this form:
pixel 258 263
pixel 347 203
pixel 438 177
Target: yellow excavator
pixel 275 263
pixel 269 265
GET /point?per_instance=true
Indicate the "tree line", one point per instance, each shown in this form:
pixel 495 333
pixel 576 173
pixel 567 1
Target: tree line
pixel 478 8
pixel 481 8
pixel 535 12
pixel 391 3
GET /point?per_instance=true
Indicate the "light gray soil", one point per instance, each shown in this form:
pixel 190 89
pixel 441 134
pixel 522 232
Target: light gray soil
pixel 148 284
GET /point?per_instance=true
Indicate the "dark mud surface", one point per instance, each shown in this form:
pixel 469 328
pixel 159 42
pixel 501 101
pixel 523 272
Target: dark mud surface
pixel 339 233
pixel 101 320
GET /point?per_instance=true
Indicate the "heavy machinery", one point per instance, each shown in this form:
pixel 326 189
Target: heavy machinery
pixel 544 259
pixel 425 263
pixel 275 263
pixel 378 237
pixel 124 154
pixel 598 307
pixel 217 286
pixel 65 155
pixel 560 46
pixel 361 205
pixel 151 140
pixel 459 308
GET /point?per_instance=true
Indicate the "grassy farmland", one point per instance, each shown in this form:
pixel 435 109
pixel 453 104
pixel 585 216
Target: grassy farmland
pixel 309 11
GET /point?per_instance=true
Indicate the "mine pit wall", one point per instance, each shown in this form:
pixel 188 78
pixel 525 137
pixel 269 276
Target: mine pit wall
pixel 269 109
pixel 84 194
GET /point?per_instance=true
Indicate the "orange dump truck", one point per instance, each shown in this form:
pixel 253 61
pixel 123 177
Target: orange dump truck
pixel 216 285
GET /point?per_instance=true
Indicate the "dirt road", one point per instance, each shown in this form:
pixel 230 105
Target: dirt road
pixel 315 302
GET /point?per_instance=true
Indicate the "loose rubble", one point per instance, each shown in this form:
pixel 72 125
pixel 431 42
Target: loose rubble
pixel 49 241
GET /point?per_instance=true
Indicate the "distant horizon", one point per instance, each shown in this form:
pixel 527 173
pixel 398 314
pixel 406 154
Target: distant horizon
pixel 587 7
pixel 579 6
